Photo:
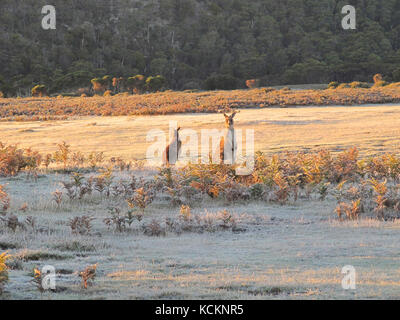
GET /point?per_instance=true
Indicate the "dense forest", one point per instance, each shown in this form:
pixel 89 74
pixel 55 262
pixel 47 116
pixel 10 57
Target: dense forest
pixel 190 41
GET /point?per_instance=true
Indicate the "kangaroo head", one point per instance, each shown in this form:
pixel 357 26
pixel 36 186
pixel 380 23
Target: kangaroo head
pixel 229 120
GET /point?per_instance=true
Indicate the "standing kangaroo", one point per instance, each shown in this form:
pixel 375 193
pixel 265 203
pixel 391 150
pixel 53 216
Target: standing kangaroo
pixel 228 146
pixel 171 153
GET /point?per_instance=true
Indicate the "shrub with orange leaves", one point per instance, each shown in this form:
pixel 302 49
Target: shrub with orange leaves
pixel 3 270
pixel 253 83
pixel 13 160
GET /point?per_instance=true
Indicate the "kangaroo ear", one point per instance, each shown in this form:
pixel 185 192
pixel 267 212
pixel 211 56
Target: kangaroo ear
pixel 225 115
pixel 233 115
pixel 179 128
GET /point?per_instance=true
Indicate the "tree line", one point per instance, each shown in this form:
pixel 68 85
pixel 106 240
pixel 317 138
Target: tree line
pixel 196 44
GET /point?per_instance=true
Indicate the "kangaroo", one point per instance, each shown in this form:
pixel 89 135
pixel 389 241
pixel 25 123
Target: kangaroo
pixel 171 153
pixel 228 146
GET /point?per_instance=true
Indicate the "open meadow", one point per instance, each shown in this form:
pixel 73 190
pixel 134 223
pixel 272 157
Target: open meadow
pixel 375 129
pixel 217 151
pixel 200 232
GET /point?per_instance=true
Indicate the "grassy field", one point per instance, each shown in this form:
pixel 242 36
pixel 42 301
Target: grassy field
pixel 277 248
pixel 169 102
pixel 291 252
pixel 374 129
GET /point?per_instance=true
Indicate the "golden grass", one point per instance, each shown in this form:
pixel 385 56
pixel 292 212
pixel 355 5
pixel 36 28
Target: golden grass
pixel 373 129
pixel 22 109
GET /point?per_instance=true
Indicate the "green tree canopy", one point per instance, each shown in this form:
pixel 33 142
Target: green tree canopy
pixel 187 41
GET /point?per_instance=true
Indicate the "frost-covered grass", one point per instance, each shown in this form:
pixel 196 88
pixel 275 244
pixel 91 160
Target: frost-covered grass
pixel 295 251
pixel 290 251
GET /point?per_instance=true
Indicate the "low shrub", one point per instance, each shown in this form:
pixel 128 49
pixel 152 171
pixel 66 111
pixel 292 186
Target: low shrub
pixel 333 85
pixel 357 84
pixel 379 84
pixel 394 85
pixel 39 90
pixel 3 270
pixel 253 83
pixel 13 160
